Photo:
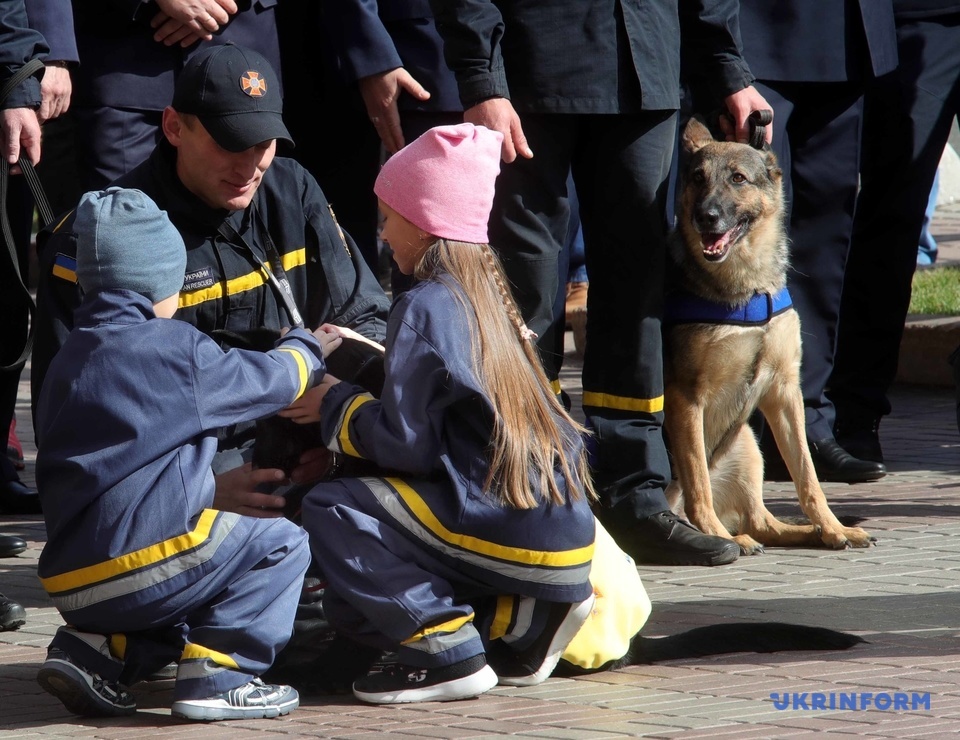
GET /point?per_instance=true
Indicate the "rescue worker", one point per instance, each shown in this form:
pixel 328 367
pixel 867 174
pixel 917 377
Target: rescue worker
pixel 264 250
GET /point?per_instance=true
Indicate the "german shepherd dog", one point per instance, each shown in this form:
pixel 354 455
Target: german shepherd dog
pixel 732 346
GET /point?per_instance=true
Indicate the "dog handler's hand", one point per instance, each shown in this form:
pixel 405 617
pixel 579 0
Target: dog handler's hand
pixel 498 114
pixel 236 492
pixel 740 105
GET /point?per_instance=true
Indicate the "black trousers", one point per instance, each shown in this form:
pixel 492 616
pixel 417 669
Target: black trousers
pixel 816 136
pixel 907 122
pixel 620 165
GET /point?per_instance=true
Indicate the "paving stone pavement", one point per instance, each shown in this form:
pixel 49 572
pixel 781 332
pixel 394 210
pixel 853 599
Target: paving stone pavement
pixel 902 596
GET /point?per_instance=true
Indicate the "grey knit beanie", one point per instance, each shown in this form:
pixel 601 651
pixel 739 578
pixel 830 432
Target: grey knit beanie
pixel 124 241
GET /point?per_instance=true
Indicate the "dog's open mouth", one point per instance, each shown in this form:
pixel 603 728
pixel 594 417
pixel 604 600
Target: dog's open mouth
pixel 716 246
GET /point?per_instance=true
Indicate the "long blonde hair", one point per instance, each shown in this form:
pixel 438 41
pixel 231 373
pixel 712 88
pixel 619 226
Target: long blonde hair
pixel 532 431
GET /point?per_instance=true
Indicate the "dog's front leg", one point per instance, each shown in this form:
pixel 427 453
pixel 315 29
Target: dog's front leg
pixel 783 410
pixel 684 421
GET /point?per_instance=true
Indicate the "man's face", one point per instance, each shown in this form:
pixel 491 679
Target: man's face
pixel 221 179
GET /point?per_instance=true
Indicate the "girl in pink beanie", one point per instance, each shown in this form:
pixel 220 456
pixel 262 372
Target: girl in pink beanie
pixel 469 554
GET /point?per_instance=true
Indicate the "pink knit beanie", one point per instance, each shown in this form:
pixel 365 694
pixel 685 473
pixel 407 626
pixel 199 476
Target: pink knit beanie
pixel 443 181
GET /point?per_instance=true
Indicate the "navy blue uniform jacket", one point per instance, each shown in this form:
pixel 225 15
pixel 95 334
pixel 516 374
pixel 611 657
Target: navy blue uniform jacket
pixel 433 423
pixel 19 43
pixel 125 425
pixel 224 287
pixel 588 56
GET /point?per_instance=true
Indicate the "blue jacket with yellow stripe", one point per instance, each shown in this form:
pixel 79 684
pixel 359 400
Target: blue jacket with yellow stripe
pixel 124 425
pixel 433 425
pixel 224 287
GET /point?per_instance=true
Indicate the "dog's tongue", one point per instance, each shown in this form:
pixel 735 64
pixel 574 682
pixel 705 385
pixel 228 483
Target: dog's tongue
pixel 714 244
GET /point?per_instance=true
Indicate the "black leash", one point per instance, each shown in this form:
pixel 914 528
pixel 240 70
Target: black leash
pixel 43 208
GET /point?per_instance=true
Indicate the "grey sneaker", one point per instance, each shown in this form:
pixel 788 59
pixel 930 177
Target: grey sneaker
pixel 82 691
pixel 253 700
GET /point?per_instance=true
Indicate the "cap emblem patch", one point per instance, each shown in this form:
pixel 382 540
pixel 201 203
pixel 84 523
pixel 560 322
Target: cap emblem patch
pixel 253 84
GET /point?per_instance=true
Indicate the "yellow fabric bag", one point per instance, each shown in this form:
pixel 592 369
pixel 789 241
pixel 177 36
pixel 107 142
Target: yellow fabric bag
pixel 622 607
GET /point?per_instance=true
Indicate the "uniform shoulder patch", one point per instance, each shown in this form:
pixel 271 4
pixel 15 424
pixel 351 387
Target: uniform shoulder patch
pixel 65 267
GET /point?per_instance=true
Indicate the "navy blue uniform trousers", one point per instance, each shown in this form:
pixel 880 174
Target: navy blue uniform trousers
pixel 620 165
pixel 907 121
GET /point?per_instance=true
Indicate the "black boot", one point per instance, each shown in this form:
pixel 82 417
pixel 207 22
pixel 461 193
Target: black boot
pixel 834 464
pixel 11 545
pixel 664 539
pixel 859 435
pixel 16 498
pixel 12 614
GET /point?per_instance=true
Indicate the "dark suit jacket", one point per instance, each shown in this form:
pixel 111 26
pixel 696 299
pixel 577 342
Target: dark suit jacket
pixel 121 66
pixel 20 44
pixel 587 56
pixel 372 36
pixel 818 40
pixel 54 20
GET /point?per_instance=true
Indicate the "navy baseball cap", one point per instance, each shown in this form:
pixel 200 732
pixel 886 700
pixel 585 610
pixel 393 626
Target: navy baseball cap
pixel 235 93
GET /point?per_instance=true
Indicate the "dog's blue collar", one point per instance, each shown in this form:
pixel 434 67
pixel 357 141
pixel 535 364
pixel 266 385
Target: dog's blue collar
pixel 686 308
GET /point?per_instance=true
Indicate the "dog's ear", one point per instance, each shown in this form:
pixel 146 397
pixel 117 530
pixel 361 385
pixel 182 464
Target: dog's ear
pixel 773 166
pixel 695 135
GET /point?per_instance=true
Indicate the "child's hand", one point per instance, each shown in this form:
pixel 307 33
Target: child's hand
pixel 313 465
pixel 306 409
pixel 350 334
pixel 329 340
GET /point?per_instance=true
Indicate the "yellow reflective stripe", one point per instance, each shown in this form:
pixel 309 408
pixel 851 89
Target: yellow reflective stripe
pixel 118 645
pixel 296 258
pixel 555 387
pixel 502 616
pixel 450 627
pixel 62 272
pixel 302 370
pixel 62 221
pixel 132 561
pixel 198 652
pixel 344 436
pixel 559 559
pixel 622 403
pixel 250 281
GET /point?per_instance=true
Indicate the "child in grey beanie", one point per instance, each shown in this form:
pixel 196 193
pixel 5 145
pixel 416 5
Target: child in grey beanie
pixel 126 427
pixel 125 242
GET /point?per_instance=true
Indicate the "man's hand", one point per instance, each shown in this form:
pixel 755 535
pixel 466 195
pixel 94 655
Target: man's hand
pixel 380 93
pixel 55 91
pixel 19 134
pixel 739 106
pixel 498 114
pixel 185 22
pixel 236 492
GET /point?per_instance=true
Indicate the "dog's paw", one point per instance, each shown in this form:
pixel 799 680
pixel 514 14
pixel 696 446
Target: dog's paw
pixel 857 537
pixel 748 545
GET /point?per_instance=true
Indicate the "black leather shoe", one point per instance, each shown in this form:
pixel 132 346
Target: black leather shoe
pixel 11 545
pixel 16 498
pixel 664 539
pixel 836 465
pixel 859 436
pixel 12 614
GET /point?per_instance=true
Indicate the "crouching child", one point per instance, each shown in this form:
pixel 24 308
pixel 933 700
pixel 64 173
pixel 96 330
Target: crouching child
pixel 140 565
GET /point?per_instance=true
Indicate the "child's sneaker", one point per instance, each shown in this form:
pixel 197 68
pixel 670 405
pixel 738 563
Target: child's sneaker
pixel 534 664
pixel 402 684
pixel 14 448
pixel 82 691
pixel 253 700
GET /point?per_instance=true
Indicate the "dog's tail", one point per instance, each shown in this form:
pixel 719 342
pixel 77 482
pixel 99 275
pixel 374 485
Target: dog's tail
pixel 723 639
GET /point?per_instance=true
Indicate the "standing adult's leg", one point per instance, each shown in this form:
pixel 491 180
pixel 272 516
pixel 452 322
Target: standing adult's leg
pixel 823 135
pixel 907 121
pixel 621 166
